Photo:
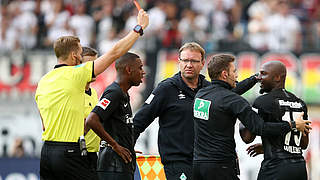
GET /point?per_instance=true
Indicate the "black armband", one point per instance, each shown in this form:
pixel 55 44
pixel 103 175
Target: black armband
pixel 293 125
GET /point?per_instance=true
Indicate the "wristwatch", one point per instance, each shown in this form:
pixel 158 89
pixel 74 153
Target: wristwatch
pixel 138 29
pixel 293 125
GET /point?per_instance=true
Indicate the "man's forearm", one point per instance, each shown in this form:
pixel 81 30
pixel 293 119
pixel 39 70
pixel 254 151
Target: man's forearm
pixel 256 124
pixel 245 134
pixel 122 46
pixel 94 123
pixel 119 49
pixel 245 85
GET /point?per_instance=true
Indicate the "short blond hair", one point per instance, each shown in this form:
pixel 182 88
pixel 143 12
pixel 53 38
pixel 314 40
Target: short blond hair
pixel 64 45
pixel 193 46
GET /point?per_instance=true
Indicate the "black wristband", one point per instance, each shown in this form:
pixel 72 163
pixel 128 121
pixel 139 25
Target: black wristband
pixel 255 77
pixel 293 125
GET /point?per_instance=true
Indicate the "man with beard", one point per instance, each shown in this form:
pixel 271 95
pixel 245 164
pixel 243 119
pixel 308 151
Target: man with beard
pixel 282 154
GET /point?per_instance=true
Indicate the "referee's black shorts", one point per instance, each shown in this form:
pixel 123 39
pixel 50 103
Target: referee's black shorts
pixel 62 160
pixel 283 169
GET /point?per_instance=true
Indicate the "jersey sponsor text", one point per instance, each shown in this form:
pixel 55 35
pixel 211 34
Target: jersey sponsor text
pixel 290 104
pixel 201 109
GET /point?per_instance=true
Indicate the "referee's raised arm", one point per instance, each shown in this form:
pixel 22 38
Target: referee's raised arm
pixel 61 102
pixel 123 45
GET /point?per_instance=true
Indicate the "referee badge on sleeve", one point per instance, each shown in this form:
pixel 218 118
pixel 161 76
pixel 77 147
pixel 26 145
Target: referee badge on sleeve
pixel 104 103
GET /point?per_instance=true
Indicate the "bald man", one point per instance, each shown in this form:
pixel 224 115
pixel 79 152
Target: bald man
pixel 282 154
pixel 111 119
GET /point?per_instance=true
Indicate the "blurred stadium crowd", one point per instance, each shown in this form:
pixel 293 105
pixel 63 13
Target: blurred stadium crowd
pixel 218 25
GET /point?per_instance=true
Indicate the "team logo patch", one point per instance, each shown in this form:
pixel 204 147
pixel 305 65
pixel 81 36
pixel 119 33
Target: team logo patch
pixel 201 109
pixel 181 96
pixel 183 177
pixel 104 103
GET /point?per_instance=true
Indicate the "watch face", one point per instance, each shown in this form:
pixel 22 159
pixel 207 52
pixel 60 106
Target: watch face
pixel 137 28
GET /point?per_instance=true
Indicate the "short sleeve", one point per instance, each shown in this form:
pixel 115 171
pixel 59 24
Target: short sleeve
pixel 108 103
pixel 82 73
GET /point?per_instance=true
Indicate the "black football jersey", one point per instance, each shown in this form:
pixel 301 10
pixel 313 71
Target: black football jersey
pixel 115 114
pixel 276 106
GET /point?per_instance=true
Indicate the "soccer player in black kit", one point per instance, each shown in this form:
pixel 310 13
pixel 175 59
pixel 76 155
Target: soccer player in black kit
pixel 283 158
pixel 112 117
pixel 216 109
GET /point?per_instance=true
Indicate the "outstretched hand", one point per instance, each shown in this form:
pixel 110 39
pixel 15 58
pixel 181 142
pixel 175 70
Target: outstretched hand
pixel 255 150
pixel 124 153
pixel 143 19
pixel 303 125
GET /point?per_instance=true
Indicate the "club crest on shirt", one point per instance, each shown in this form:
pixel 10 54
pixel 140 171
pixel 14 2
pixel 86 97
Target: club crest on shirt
pixel 201 109
pixel 183 177
pixel 104 103
pixel 181 96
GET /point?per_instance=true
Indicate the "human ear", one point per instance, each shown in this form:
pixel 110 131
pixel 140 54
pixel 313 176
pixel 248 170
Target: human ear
pixel 128 69
pixel 224 74
pixel 73 54
pixel 277 78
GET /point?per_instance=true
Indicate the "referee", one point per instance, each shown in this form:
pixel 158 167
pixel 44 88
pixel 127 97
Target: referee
pixel 60 101
pixel 91 99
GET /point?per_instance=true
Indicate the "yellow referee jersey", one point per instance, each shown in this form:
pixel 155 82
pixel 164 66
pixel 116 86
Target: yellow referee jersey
pixel 60 98
pixel 92 139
